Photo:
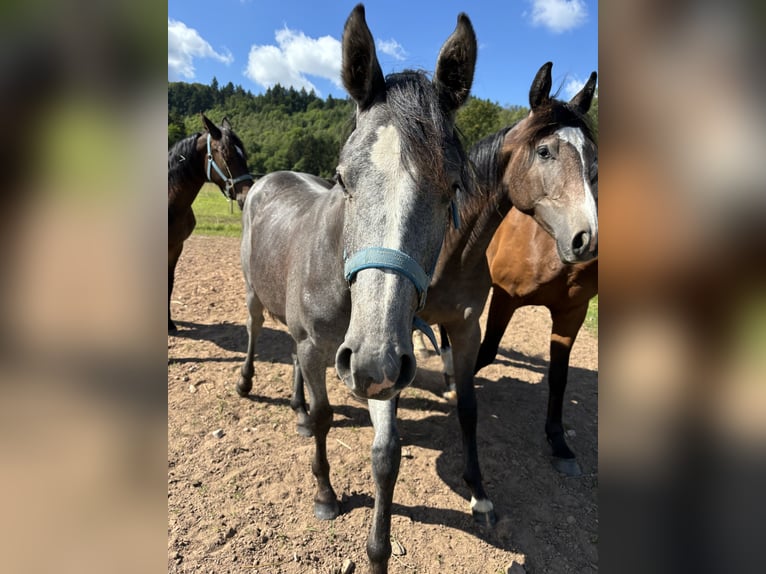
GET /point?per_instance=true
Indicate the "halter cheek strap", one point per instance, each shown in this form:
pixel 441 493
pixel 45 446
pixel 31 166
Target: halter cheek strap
pixel 229 181
pixel 399 262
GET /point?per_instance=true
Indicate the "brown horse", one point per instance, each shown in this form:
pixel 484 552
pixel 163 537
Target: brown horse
pixel 215 155
pixel 546 165
pixel 526 270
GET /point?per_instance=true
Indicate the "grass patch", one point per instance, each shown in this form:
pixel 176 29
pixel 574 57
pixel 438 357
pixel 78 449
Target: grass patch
pixel 211 209
pixel 591 319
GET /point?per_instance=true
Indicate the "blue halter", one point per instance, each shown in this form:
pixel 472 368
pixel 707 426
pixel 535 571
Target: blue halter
pixel 229 181
pixel 399 262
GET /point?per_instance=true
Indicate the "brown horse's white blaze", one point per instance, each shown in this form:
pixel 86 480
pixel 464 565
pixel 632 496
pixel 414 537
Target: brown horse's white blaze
pixel 565 170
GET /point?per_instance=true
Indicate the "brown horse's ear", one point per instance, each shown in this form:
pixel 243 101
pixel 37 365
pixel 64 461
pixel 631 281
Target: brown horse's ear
pixel 539 93
pixel 584 97
pixel 361 73
pixel 212 129
pixel 225 124
pixel 456 64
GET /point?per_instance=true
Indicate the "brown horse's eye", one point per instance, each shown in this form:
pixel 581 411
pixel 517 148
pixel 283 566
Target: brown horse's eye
pixel 544 152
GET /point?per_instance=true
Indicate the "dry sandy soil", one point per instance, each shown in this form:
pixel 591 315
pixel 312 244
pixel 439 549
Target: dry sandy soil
pixel 243 502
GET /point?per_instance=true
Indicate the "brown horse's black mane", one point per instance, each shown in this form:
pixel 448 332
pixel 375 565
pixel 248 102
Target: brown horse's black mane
pixel 182 165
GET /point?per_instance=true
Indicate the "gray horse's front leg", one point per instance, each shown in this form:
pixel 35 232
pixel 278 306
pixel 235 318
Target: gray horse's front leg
pixel 386 456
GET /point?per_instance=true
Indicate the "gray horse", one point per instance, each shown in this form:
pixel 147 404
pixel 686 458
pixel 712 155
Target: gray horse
pixel 546 166
pixel 346 265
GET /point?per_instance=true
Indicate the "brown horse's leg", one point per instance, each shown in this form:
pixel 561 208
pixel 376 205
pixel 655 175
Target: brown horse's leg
pixel 501 310
pixel 313 366
pixel 173 254
pixel 465 337
pixel 254 324
pixel 298 400
pixel 566 325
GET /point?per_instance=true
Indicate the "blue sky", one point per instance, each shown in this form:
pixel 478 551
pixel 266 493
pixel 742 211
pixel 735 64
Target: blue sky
pixel 256 43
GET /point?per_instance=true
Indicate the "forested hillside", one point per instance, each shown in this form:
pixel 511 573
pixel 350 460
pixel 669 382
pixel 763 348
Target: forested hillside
pixel 289 129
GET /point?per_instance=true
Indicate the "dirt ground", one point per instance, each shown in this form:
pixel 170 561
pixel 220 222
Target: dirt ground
pixel 243 502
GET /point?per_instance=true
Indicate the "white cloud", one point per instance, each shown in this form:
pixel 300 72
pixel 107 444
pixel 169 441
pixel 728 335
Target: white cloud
pixel 559 15
pixel 573 85
pixel 295 56
pixel 185 44
pixel 391 48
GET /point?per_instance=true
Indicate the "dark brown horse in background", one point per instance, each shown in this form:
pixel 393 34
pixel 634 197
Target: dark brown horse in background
pixel 216 155
pixel 526 270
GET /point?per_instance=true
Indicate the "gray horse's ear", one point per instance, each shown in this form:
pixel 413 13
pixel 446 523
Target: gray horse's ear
pixel 539 93
pixel 212 129
pixel 584 97
pixel 225 124
pixel 361 73
pixel 456 64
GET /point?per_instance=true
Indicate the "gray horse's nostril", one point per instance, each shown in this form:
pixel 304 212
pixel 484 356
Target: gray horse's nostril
pixel 343 362
pixel 580 242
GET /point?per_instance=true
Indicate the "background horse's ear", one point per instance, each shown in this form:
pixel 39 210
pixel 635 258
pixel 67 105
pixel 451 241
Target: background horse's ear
pixel 361 73
pixel 213 129
pixel 225 124
pixel 456 64
pixel 584 97
pixel 539 93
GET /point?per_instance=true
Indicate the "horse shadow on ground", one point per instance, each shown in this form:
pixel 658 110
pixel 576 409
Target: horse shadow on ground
pixel 273 345
pixel 513 454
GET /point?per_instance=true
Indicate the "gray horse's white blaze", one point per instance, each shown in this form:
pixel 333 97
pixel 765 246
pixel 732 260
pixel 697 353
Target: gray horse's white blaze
pixel 381 371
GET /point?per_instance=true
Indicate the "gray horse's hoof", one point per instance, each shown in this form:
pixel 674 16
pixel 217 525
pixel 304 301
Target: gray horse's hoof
pixel 566 466
pixel 325 511
pixel 304 430
pixel 244 388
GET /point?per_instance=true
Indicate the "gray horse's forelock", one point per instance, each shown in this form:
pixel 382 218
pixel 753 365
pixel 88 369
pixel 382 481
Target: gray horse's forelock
pixel 428 136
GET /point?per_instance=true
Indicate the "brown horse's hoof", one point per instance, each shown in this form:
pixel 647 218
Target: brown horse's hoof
pixel 484 519
pixel 483 512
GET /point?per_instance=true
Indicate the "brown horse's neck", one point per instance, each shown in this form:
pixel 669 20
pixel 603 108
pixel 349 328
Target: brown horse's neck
pixel 181 197
pixel 481 214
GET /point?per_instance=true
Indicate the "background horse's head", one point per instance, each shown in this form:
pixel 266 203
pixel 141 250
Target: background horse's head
pixel 400 170
pixel 225 160
pixel 552 171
